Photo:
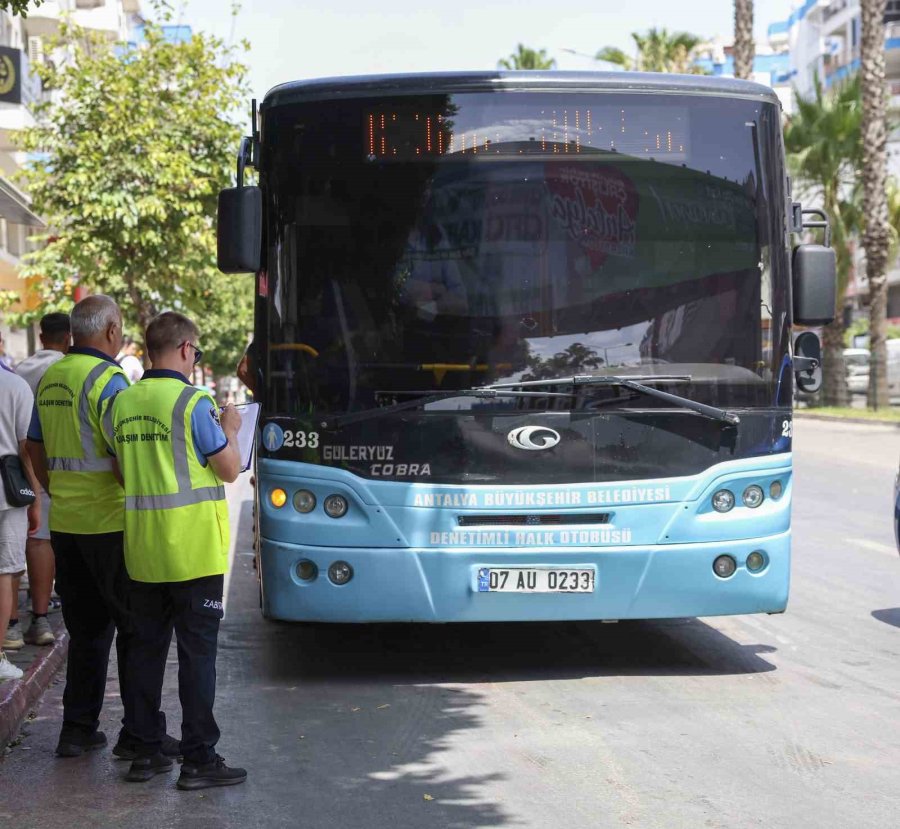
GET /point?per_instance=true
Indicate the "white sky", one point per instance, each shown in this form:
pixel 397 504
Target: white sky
pixel 299 39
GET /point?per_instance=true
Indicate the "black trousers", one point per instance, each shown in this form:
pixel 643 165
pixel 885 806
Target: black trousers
pixel 193 609
pixel 94 587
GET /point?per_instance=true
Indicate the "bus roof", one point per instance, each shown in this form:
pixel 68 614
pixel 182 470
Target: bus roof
pixel 363 86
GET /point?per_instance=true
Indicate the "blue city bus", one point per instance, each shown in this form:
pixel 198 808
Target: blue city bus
pixel 523 345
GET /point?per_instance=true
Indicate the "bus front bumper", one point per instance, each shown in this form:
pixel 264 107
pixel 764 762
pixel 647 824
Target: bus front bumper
pixel 438 585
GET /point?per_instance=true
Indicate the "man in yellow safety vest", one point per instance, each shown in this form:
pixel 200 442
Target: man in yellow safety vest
pixel 87 513
pixel 174 451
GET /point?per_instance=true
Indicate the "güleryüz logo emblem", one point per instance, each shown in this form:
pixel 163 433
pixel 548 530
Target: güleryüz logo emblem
pixel 533 438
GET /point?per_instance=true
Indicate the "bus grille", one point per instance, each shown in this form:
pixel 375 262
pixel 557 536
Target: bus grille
pixel 533 520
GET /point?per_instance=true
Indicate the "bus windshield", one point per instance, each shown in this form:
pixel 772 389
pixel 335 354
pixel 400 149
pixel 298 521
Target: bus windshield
pixel 440 242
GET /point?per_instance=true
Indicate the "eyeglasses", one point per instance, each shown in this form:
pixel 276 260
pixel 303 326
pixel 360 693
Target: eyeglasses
pixel 198 354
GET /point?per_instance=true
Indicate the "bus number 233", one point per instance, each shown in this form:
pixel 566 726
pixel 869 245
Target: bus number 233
pixel 301 440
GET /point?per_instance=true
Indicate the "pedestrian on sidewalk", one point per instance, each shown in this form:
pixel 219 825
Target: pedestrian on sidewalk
pixel 87 517
pixel 16 520
pixel 129 360
pixel 56 336
pixel 174 451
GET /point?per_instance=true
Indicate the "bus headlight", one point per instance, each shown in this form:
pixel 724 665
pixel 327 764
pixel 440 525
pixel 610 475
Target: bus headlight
pixel 724 567
pixel 723 500
pixel 335 506
pixel 278 498
pixel 340 572
pixel 775 490
pixel 304 501
pixel 756 561
pixel 307 570
pixel 753 496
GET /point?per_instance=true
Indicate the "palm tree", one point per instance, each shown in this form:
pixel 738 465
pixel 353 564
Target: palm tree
pixel 823 141
pixel 744 48
pixel 576 359
pixel 876 236
pixel 657 51
pixel 525 58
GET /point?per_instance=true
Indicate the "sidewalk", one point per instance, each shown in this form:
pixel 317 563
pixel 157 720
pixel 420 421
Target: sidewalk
pixel 40 663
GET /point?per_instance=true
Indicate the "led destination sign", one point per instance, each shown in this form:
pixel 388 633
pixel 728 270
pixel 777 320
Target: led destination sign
pixel 398 133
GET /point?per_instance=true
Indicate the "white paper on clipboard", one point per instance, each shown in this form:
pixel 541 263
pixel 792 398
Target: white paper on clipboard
pixel 249 413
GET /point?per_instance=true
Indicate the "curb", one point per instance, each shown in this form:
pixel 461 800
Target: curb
pixel 17 698
pixel 840 419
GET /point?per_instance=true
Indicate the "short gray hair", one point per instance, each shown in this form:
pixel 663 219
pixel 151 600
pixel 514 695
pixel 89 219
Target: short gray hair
pixel 93 315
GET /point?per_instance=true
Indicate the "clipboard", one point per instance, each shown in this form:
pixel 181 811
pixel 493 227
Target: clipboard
pixel 249 413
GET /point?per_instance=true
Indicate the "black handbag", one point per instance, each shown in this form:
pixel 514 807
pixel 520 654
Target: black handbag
pixel 18 491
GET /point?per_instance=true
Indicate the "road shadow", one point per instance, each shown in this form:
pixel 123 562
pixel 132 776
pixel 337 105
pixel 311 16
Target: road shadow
pixel 890 616
pixel 498 652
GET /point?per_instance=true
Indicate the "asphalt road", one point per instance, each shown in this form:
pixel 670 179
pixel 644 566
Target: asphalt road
pixel 772 721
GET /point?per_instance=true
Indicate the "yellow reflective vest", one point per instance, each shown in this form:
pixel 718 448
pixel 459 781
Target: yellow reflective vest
pixel 87 499
pixel 176 515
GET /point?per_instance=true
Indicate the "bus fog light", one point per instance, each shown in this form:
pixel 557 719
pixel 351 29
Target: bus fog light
pixel 335 506
pixel 278 497
pixel 307 570
pixel 775 489
pixel 304 501
pixel 340 572
pixel 724 566
pixel 756 561
pixel 723 500
pixel 753 496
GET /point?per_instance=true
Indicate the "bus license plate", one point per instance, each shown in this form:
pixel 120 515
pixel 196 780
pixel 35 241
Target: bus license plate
pixel 534 580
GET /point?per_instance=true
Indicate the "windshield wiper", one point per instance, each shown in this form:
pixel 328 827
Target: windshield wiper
pixel 630 383
pixel 487 392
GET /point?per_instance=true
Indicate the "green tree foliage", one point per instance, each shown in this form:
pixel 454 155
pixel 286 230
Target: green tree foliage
pixel 657 51
pixel 127 164
pixel 525 58
pixel 823 142
pixel 19 7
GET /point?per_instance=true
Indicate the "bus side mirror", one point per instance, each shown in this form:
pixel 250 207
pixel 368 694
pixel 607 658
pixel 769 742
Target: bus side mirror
pixel 808 362
pixel 239 230
pixel 814 271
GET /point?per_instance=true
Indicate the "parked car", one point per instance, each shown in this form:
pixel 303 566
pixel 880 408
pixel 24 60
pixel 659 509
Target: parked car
pixel 856 362
pixel 893 369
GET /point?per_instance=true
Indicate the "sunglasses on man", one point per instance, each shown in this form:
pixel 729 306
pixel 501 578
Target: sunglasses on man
pixel 198 354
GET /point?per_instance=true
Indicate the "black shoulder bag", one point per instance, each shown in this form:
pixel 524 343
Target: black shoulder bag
pixel 18 491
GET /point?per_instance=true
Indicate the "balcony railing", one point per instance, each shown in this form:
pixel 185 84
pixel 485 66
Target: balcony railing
pixel 835 8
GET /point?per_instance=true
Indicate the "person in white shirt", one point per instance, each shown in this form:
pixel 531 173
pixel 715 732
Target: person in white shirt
pixel 129 361
pixel 16 403
pixel 56 336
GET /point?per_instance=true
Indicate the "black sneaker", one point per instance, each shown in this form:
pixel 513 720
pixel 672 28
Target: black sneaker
pixel 126 750
pixel 203 776
pixel 76 743
pixel 144 768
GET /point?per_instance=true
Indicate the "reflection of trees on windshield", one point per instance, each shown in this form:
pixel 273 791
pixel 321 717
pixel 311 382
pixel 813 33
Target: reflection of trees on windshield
pixel 576 359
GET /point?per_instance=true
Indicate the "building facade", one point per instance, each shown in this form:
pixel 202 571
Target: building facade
pixel 771 67
pixel 823 38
